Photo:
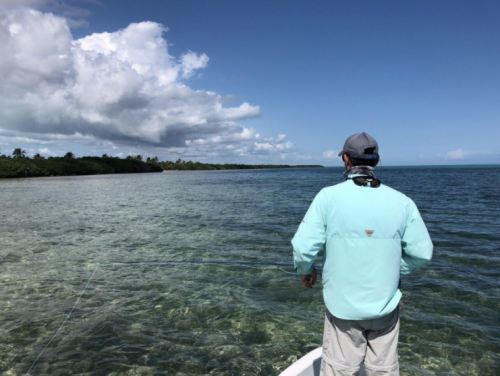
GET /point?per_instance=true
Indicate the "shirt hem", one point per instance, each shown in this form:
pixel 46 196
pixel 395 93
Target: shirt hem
pixel 392 305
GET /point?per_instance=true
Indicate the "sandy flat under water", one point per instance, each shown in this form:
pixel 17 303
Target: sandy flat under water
pixel 208 319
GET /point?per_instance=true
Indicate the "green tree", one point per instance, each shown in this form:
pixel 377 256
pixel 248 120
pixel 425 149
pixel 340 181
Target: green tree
pixel 69 155
pixel 19 153
pixel 138 157
pixel 38 156
pixel 104 156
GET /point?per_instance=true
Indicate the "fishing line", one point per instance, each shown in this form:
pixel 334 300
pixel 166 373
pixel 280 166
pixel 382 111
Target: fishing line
pixel 64 321
pixel 247 264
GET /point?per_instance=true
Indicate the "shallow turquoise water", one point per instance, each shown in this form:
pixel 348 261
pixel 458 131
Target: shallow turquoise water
pixel 149 320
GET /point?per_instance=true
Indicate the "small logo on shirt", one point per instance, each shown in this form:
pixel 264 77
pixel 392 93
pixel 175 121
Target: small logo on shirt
pixel 369 232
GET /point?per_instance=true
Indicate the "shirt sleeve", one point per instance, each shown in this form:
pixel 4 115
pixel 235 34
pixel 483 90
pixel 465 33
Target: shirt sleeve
pixel 310 237
pixel 416 242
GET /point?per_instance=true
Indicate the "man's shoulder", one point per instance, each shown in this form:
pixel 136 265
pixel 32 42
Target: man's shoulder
pixel 334 189
pixel 344 187
pixel 397 194
pixel 394 192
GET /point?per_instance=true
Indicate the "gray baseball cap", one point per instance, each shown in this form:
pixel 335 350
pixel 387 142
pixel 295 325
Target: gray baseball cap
pixel 356 145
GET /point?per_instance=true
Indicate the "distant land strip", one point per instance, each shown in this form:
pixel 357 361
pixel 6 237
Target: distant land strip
pixel 38 166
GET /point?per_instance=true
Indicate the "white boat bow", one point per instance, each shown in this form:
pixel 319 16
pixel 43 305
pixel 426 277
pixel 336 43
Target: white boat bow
pixel 309 365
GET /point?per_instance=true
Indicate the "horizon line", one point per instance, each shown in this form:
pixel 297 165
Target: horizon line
pixel 432 165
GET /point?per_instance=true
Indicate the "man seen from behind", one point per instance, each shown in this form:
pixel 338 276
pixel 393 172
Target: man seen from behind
pixel 370 235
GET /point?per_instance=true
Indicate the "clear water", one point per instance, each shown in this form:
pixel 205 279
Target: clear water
pixel 185 320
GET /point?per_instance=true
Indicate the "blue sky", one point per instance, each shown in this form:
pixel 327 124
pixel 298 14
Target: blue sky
pixel 422 77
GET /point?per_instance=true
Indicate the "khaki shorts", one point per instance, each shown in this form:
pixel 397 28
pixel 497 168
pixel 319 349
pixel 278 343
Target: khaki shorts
pixel 349 343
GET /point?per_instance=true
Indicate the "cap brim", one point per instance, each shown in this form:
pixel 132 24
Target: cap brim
pixel 340 154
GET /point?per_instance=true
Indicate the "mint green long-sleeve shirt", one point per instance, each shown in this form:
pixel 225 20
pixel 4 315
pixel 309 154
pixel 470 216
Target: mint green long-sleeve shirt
pixel 370 237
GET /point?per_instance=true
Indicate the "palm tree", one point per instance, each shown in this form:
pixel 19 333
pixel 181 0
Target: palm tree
pixel 139 157
pixel 38 156
pixel 69 155
pixel 19 153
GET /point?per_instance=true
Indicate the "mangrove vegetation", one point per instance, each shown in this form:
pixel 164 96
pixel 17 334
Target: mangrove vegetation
pixel 20 165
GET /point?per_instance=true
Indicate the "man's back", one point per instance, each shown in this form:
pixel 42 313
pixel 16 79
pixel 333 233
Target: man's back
pixel 370 236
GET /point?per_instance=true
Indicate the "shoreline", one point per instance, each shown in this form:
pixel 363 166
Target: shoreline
pixel 76 176
pixel 489 166
pixel 24 167
pixel 149 172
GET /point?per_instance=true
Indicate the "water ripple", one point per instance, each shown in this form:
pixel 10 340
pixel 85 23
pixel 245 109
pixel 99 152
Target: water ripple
pixel 150 320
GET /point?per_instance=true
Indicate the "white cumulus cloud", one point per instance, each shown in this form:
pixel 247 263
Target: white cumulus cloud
pixel 457 154
pixel 121 87
pixel 330 154
pixel 47 152
pixel 71 10
pixel 191 62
